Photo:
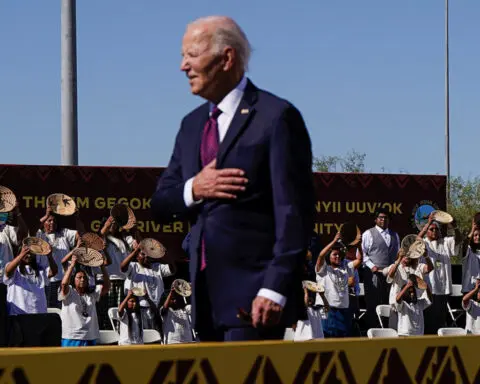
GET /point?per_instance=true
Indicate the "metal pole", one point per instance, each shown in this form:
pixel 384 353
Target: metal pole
pixel 447 106
pixel 69 83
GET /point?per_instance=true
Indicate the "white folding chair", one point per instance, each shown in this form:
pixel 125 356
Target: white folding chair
pixel 455 313
pixel 54 310
pixel 108 337
pixel 289 334
pixel 383 310
pixel 151 336
pixel 113 316
pixel 454 331
pixel 362 311
pixel 381 332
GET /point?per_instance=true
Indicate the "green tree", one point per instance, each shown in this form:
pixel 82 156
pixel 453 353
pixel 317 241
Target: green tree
pixel 352 162
pixel 464 201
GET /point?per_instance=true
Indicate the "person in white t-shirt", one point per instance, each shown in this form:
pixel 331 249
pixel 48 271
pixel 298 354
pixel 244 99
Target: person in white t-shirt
pixel 62 241
pixel 410 304
pixel 79 313
pixel 407 263
pixel 147 274
pixel 12 228
pixel 176 319
pixel 471 304
pixel 26 280
pixel 131 327
pixel 336 277
pixel 119 244
pixel 471 261
pixel 440 249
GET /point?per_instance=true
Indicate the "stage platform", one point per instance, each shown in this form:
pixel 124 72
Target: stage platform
pixel 400 360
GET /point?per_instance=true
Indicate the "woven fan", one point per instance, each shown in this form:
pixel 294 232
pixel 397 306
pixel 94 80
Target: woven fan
pixel 182 287
pixel 88 256
pixel 312 286
pixel 7 200
pixel 37 246
pixel 92 240
pixel 416 250
pixel 138 291
pixel 442 217
pixel 61 204
pixel 124 216
pixel 153 248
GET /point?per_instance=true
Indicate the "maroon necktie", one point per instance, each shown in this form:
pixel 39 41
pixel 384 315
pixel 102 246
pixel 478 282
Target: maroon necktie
pixel 208 152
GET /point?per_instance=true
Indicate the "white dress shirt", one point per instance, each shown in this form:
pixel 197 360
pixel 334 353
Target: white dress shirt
pixel 229 106
pixel 367 242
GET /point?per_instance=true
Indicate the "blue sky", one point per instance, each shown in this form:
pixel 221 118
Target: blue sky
pixel 367 75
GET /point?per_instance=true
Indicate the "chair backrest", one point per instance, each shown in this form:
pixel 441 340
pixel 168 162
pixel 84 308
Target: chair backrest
pixel 54 310
pixel 108 337
pixel 113 316
pixel 457 290
pixel 451 331
pixel 381 332
pixel 289 334
pixel 151 336
pixel 383 310
pixel 362 289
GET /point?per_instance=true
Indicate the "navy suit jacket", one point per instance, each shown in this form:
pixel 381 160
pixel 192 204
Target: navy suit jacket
pixel 260 239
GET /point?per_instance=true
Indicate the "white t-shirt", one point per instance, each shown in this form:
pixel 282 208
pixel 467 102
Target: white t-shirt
pixel 410 317
pixel 150 279
pixel 117 251
pixel 26 293
pixel 62 243
pixel 335 282
pixel 472 324
pixel 401 278
pixel 124 338
pixel 8 237
pixel 440 251
pixel 470 269
pixel 75 325
pixel 176 326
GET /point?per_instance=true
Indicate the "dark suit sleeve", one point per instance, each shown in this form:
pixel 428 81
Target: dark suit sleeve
pixel 167 201
pixel 293 200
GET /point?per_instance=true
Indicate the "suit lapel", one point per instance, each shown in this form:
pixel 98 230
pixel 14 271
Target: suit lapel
pixel 244 113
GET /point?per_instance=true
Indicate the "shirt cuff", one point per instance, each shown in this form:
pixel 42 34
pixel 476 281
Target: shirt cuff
pixel 188 194
pixel 369 264
pixel 272 295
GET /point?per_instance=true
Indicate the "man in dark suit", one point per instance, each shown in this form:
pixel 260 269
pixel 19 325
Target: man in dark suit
pixel 241 172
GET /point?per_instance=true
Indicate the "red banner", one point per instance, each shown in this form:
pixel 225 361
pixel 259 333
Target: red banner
pixel 340 197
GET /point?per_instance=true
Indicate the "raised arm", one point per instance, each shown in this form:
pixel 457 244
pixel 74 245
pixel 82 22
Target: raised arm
pixel 471 295
pixel 404 290
pixel 424 230
pixel 106 281
pixel 79 225
pixel 323 253
pixel 358 257
pixel 123 304
pixel 400 256
pixel 52 264
pixel 12 266
pixel 126 262
pixel 65 285
pixel 20 223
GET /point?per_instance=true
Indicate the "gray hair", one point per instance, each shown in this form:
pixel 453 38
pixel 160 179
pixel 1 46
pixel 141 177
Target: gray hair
pixel 228 33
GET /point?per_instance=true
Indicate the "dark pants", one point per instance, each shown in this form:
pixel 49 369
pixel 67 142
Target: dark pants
pixel 3 315
pixel 51 292
pixel 436 315
pixel 376 293
pixel 207 331
pixel 338 323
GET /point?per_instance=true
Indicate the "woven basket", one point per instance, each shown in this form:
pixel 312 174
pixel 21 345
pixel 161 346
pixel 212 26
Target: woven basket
pixel 7 200
pixel 182 287
pixel 312 286
pixel 416 250
pixel 37 246
pixel 407 241
pixel 88 256
pixel 61 204
pixel 138 291
pixel 92 240
pixel 153 248
pixel 442 217
pixel 124 216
